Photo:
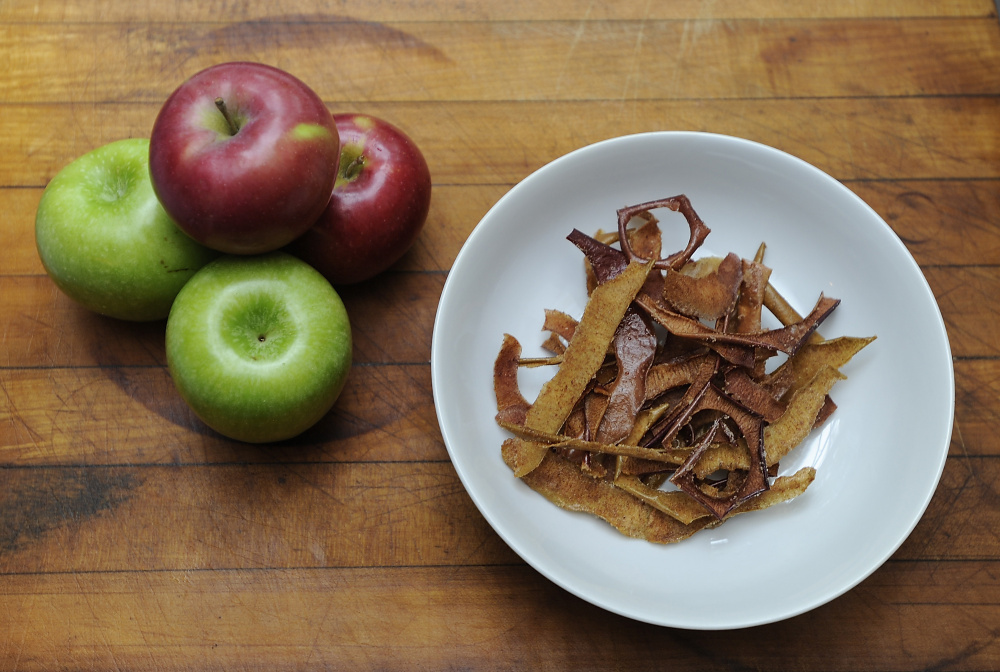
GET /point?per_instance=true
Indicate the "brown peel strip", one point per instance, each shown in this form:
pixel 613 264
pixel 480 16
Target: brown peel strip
pixel 680 203
pixel 594 404
pixel 559 323
pixel 522 456
pixel 721 457
pixel 564 485
pixel 585 353
pixel 829 406
pixel 813 357
pixel 708 296
pixel 751 299
pixel 553 440
pixel 576 423
pixel 635 347
pixel 752 428
pixel 799 418
pixel 786 339
pixel 533 362
pixel 646 418
pixel 674 503
pixel 664 431
pixel 668 375
pixel 744 389
pixel 512 407
pixel 690 330
pixel 606 261
pixel 784 311
pixel 779 306
pixel 739 355
pixel 781 436
pixel 783 489
pixel 647 239
pixel 554 344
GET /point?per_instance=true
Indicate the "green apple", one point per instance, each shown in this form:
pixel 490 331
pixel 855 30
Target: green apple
pixel 105 240
pixel 259 346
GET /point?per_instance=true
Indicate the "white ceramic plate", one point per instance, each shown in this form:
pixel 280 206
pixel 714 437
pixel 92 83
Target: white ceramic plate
pixel 878 459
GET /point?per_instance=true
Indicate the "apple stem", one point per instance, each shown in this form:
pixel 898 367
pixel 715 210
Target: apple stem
pixel 354 167
pixel 221 104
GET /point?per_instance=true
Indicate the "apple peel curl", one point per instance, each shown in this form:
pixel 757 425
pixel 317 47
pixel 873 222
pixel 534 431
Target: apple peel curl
pixel 662 383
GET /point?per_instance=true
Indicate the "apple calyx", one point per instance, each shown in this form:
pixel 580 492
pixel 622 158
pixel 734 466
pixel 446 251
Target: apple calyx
pixel 234 127
pixel 117 182
pixel 352 162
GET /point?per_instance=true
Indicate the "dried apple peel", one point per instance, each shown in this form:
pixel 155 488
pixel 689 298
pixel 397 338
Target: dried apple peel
pixel 759 417
pixel 585 353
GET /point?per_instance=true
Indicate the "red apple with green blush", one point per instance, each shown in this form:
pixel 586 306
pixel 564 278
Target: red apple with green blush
pixel 243 156
pixel 379 205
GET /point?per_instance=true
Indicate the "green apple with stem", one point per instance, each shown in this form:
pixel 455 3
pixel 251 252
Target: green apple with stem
pixel 106 242
pixel 259 346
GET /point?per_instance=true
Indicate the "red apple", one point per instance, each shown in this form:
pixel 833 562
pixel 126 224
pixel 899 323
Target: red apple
pixel 243 156
pixel 379 203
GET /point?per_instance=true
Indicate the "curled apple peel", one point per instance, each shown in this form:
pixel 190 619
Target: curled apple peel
pixel 662 417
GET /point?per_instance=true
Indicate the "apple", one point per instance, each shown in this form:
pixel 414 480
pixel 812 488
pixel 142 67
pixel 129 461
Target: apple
pixel 259 346
pixel 379 203
pixel 244 156
pixel 106 242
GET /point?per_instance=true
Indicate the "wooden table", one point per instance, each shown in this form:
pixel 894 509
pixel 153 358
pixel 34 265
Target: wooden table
pixel 133 538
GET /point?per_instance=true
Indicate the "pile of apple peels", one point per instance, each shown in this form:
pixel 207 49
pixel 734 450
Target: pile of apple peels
pixel 663 416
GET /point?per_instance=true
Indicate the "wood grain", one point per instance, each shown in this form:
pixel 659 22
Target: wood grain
pixel 485 617
pixel 490 143
pixel 99 11
pixel 134 538
pixel 332 514
pixel 599 60
pixel 133 415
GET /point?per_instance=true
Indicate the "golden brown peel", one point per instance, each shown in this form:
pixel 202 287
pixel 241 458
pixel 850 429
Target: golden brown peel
pixel 565 486
pixel 813 357
pixel 669 375
pixel 791 429
pixel 781 436
pixel 512 407
pixel 585 352
pixel 582 359
pixel 567 441
pixel 705 296
pixel 675 503
pixel 663 378
pixel 560 324
pixel 751 298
